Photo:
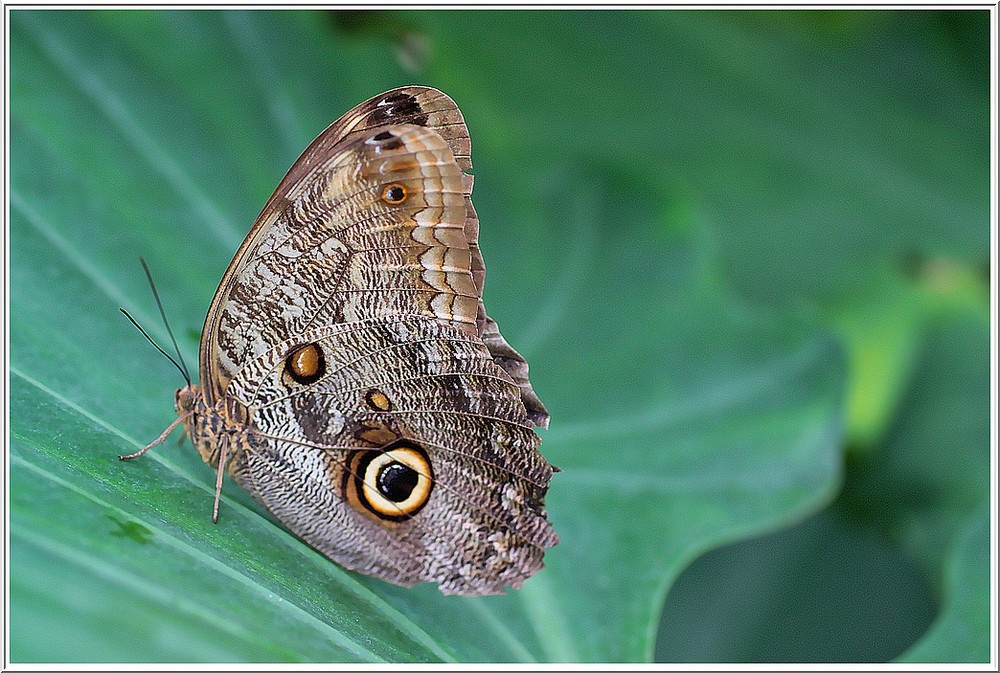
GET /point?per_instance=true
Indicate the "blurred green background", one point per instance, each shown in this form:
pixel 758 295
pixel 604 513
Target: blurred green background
pixel 745 252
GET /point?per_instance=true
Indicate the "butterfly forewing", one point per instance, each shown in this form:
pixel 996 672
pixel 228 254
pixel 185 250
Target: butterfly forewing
pixel 376 229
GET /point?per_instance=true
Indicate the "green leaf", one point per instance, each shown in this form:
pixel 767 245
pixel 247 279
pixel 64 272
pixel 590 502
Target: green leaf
pixel 914 515
pixel 777 598
pixel 931 475
pixel 931 483
pixel 961 633
pixel 680 418
pixel 635 172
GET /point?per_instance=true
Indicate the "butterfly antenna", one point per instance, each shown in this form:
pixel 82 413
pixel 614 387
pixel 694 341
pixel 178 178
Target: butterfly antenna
pixel 159 305
pixel 155 345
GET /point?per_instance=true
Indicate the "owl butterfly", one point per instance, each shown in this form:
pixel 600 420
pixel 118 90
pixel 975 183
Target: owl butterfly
pixel 351 379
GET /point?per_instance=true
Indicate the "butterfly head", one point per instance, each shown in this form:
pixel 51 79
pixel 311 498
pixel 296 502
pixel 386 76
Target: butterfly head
pixel 185 399
pixel 197 420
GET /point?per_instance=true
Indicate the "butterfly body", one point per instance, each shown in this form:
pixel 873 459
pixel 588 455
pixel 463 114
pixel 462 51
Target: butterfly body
pixel 352 380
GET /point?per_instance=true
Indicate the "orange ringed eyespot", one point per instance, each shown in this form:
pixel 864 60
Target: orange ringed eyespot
pixel 394 194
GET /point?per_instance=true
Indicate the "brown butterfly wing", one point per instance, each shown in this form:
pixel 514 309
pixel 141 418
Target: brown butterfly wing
pixel 291 207
pixel 374 227
pixel 438 390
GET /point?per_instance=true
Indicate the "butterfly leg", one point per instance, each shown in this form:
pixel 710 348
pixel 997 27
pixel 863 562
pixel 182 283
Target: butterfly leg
pixel 218 478
pixel 163 436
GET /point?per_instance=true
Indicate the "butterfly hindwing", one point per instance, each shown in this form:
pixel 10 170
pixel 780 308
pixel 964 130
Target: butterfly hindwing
pixel 410 382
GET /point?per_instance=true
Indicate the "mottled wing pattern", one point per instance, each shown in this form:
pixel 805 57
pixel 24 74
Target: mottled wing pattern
pixel 419 106
pixel 341 250
pixel 483 526
pixel 291 208
pixel 365 263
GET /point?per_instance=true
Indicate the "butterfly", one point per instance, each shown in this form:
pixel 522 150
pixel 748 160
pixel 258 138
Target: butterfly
pixel 351 379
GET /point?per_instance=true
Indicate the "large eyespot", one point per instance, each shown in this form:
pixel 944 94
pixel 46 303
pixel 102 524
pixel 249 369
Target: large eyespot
pixel 392 484
pixel 305 364
pixel 394 194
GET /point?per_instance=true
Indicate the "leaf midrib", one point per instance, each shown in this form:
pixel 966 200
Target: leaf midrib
pixel 390 614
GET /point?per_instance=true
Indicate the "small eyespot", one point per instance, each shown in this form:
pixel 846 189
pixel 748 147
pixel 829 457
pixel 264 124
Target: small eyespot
pixel 392 484
pixel 305 364
pixel 394 194
pixel 377 400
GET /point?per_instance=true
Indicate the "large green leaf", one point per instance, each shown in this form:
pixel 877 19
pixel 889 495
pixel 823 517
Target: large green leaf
pixel 615 212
